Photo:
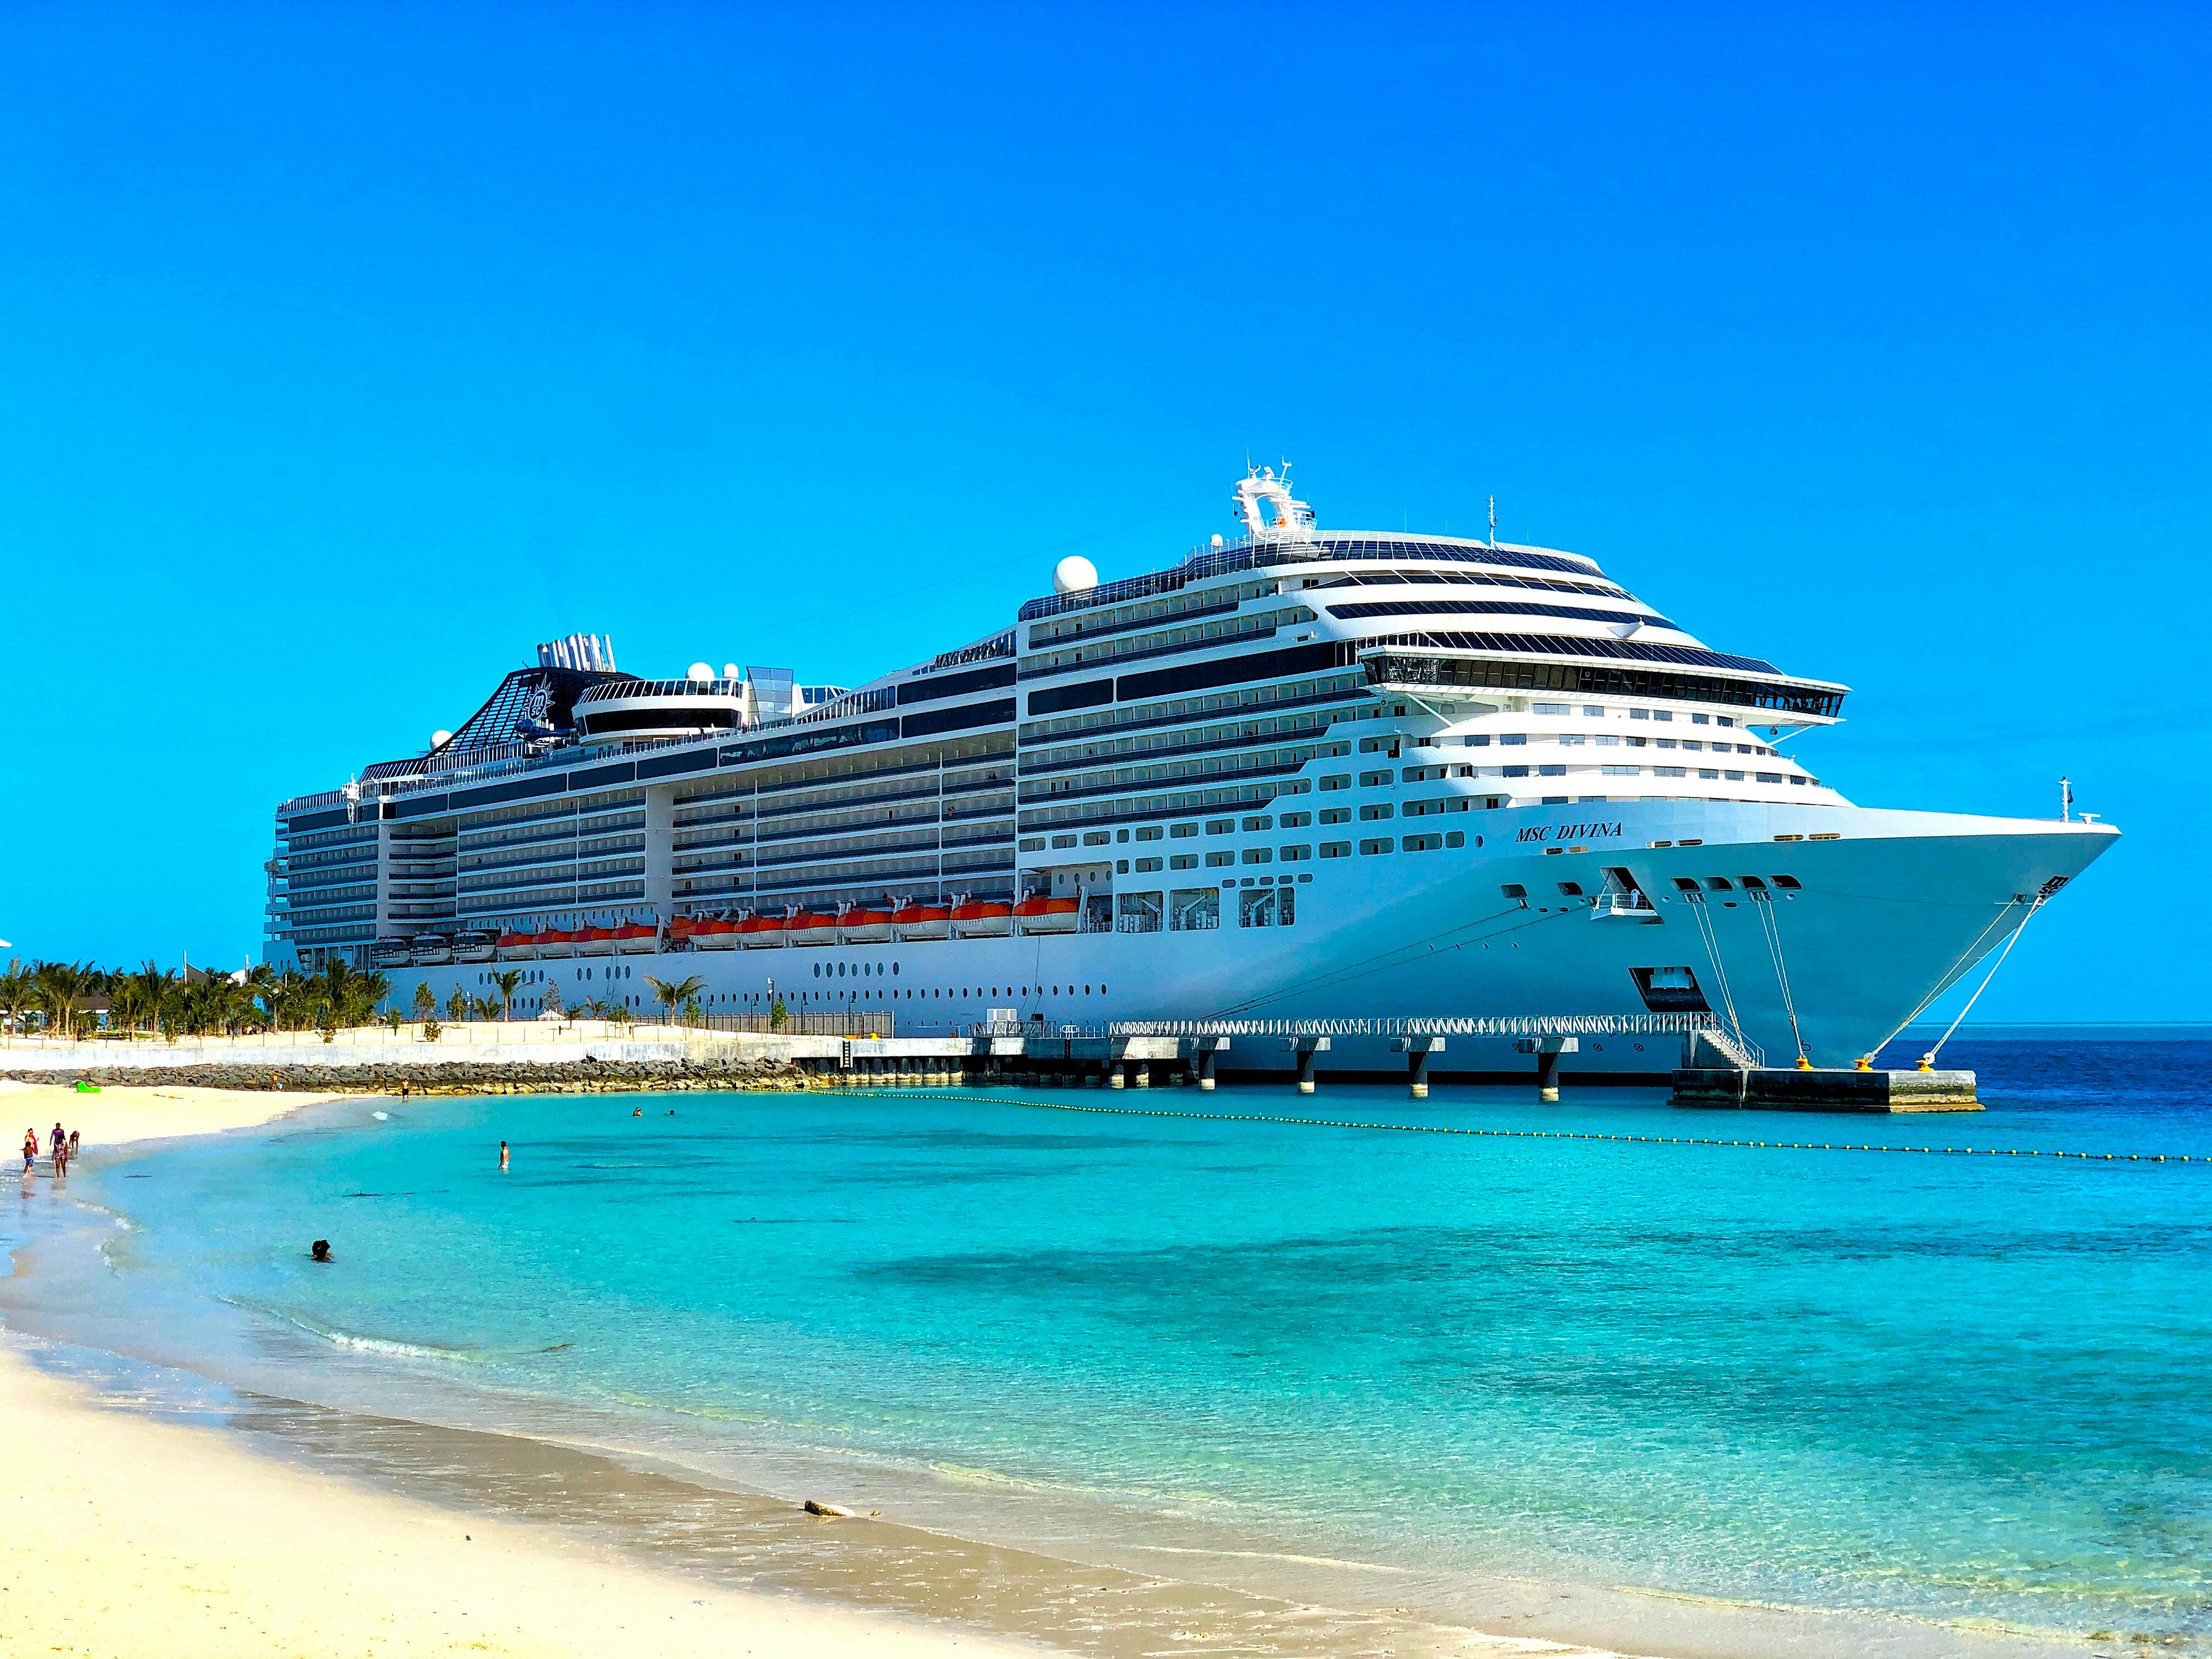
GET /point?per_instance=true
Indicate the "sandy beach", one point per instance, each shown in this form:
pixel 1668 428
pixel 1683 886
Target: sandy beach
pixel 123 1114
pixel 130 1535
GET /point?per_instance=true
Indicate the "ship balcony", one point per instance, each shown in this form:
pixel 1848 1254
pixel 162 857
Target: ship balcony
pixel 1626 906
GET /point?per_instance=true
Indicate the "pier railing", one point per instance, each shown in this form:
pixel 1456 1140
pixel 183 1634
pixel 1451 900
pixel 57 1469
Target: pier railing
pixel 1507 1026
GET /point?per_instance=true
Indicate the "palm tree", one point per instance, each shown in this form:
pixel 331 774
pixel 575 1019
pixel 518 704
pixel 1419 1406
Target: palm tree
pixel 483 1008
pixel 675 993
pixel 59 985
pixel 16 994
pixel 507 982
pixel 151 991
pixel 425 1000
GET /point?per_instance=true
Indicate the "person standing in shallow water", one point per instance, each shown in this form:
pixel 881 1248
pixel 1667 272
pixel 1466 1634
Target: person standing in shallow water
pixel 30 1149
pixel 502 1155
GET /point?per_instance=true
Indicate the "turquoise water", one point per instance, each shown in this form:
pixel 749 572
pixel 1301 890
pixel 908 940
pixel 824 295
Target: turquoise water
pixel 1959 1389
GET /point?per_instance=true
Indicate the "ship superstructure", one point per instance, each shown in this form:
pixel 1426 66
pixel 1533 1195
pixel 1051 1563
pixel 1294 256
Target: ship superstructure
pixel 1300 773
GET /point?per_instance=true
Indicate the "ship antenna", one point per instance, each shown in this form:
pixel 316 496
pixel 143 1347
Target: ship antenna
pixel 1494 521
pixel 2065 801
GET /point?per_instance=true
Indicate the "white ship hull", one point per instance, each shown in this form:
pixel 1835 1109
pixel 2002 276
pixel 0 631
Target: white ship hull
pixel 1897 905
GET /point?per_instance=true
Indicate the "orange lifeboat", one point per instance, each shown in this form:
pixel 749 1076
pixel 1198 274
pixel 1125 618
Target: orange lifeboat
pixel 517 944
pixel 811 927
pixel 595 941
pixel 861 926
pixel 635 936
pixel 921 921
pixel 556 942
pixel 1039 914
pixel 755 932
pixel 985 919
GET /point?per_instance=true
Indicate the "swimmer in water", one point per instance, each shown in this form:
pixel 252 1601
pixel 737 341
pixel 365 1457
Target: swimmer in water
pixel 502 1155
pixel 638 1112
pixel 319 1250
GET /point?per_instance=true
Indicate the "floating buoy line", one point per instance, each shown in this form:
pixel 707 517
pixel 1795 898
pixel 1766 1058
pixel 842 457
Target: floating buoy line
pixel 1579 1134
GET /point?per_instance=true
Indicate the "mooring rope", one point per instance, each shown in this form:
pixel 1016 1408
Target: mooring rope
pixel 1556 1134
pixel 1771 925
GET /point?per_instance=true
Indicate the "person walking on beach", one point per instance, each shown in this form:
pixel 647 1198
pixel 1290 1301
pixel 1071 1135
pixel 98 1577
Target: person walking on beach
pixel 73 1147
pixel 503 1156
pixel 60 1145
pixel 30 1149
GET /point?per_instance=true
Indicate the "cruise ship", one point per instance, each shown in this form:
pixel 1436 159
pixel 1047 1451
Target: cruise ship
pixel 1302 773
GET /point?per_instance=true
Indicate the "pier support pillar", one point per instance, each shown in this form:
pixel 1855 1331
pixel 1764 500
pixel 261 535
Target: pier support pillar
pixel 1417 1050
pixel 1547 1051
pixel 1204 1052
pixel 1143 1079
pixel 1114 1078
pixel 1307 1047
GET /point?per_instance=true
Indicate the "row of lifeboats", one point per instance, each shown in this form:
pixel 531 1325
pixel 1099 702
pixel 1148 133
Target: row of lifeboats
pixel 630 938
pixel 861 924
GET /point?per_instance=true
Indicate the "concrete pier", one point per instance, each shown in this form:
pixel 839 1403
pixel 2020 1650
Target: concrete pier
pixel 1775 1089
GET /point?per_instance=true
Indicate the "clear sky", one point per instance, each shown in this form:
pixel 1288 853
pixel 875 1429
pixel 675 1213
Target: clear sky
pixel 350 350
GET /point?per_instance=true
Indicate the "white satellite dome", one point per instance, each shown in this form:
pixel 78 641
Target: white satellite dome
pixel 700 671
pixel 729 671
pixel 439 739
pixel 1073 573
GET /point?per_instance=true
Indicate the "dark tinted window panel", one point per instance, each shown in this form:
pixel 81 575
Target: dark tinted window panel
pixel 1091 694
pixel 669 766
pixel 809 743
pixel 1490 608
pixel 1201 565
pixel 1560 645
pixel 933 687
pixel 418 806
pixel 308 821
pixel 1383 668
pixel 675 718
pixel 521 789
pixel 598 777
pixel 997 713
pixel 1232 670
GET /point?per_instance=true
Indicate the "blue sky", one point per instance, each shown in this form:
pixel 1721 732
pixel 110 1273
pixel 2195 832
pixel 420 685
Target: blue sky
pixel 349 351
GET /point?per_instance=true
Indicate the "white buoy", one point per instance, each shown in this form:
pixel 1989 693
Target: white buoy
pixel 1073 573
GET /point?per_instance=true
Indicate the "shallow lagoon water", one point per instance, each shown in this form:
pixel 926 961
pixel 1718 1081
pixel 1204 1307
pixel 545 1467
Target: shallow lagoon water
pixel 1963 1391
